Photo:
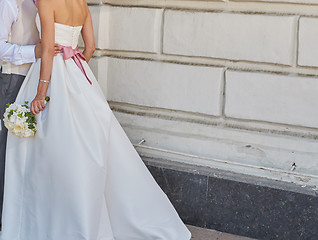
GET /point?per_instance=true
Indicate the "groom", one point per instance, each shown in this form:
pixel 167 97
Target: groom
pixel 19 48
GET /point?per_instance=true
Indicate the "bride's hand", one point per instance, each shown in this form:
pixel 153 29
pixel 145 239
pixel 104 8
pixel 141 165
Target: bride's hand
pixel 38 104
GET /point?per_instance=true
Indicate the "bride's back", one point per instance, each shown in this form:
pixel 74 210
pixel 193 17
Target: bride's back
pixel 67 12
pixel 70 12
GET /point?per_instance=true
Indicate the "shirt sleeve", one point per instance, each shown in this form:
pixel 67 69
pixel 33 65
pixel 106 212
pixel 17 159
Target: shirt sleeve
pixel 13 53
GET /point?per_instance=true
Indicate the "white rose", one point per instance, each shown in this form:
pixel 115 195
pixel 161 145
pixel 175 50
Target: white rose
pixel 5 115
pixel 19 126
pixel 13 118
pixel 28 133
pixel 13 107
pixel 19 134
pixel 21 109
pixel 9 125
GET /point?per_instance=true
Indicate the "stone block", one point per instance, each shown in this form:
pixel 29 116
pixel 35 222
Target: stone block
pixel 166 85
pixel 270 97
pixel 308 42
pixel 134 29
pixel 257 38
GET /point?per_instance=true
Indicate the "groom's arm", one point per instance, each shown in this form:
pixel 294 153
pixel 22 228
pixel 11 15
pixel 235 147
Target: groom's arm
pixel 13 53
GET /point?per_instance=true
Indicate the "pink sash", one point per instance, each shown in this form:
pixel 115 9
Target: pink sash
pixel 76 55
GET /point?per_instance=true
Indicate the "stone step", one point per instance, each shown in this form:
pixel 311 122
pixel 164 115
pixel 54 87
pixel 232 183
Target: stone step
pixel 208 234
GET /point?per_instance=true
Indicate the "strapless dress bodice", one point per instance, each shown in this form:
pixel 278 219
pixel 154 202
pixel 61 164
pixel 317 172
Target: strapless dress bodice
pixel 65 35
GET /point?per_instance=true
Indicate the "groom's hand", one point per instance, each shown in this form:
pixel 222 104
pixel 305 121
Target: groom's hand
pixel 38 50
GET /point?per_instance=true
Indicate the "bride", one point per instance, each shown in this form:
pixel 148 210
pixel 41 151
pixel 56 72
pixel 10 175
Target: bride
pixel 79 178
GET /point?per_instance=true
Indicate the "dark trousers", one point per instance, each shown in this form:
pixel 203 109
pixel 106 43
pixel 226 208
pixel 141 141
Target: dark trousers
pixel 9 87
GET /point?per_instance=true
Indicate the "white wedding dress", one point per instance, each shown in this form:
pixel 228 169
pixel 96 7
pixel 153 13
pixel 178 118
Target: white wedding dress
pixel 80 178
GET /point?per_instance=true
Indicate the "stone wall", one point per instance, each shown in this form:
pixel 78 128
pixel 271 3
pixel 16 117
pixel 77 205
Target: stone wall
pixel 230 85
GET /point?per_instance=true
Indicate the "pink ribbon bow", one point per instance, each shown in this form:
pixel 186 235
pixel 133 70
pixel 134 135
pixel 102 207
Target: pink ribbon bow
pixel 76 55
pixel 35 2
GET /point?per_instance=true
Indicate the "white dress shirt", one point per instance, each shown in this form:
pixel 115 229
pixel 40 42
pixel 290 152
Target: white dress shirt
pixel 12 53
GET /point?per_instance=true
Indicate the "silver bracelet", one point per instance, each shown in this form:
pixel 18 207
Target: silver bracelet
pixel 45 81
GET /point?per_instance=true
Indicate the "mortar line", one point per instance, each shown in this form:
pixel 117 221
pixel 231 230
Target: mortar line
pixel 223 93
pixel 296 47
pixel 227 122
pixel 262 8
pixel 162 30
pixel 238 65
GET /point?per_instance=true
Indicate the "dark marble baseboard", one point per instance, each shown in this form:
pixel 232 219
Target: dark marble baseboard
pixel 238 204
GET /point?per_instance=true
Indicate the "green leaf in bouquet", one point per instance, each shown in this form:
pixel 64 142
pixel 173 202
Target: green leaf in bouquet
pixel 26 105
pixel 31 126
pixel 30 117
pixel 47 98
pixel 10 113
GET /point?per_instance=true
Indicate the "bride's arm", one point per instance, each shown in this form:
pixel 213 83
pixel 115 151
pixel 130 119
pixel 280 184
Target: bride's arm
pixel 88 36
pixel 46 12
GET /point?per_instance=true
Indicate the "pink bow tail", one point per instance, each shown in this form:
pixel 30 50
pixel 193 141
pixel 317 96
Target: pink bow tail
pixel 76 55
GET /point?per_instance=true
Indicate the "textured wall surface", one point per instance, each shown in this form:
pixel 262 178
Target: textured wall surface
pixel 231 85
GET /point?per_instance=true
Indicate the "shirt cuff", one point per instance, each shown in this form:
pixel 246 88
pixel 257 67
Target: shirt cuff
pixel 28 54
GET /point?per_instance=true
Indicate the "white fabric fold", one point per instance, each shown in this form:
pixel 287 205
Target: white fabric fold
pixel 80 178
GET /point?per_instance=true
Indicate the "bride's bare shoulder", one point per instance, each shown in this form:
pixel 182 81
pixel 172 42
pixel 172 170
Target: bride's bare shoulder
pixel 63 3
pixel 46 3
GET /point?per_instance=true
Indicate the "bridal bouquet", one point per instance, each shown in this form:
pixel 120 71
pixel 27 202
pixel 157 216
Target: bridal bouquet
pixel 19 120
